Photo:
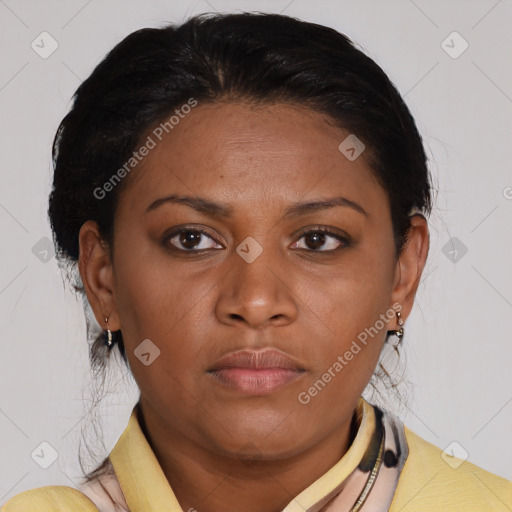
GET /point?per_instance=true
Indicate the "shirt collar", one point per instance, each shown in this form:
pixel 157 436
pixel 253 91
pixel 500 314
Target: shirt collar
pixel 145 486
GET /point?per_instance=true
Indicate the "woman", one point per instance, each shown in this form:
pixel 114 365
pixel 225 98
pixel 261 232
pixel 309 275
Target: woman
pixel 246 198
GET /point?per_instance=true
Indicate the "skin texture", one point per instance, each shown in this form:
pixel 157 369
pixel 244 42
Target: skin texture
pixel 222 450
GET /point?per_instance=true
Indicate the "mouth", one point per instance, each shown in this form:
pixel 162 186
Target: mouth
pixel 256 372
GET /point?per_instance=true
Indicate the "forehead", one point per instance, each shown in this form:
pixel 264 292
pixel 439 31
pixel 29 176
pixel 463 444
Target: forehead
pixel 249 153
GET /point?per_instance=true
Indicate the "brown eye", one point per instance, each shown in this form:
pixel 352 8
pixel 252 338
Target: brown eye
pixel 321 240
pixel 315 240
pixel 191 240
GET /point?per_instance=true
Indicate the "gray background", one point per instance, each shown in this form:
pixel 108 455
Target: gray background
pixel 458 349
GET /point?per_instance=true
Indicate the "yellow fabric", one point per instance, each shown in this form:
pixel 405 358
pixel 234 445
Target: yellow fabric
pixel 334 476
pixel 144 484
pixel 132 452
pixel 56 498
pixel 426 483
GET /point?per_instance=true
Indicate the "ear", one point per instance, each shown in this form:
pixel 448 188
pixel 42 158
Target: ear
pixel 95 269
pixel 409 266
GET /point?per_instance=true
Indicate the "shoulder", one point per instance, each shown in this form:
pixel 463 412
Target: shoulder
pixel 57 498
pixel 431 477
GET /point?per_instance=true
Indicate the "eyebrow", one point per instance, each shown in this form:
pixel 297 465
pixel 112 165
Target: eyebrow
pixel 213 209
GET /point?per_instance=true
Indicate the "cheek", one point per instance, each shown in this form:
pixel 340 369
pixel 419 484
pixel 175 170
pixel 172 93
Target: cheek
pixel 351 296
pixel 151 310
pixel 159 302
pixel 350 301
pixel 345 359
pixel 146 291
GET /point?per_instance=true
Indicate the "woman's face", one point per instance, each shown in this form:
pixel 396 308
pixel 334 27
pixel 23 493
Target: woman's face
pixel 252 279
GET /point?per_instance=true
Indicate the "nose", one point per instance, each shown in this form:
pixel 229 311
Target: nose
pixel 258 294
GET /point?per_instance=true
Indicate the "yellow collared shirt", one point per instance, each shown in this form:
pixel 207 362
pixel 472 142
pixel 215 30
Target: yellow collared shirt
pixel 413 476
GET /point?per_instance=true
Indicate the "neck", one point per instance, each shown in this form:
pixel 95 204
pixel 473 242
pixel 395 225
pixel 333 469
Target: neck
pixel 205 481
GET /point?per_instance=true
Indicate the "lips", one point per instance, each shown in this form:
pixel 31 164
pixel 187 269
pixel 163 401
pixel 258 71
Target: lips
pixel 256 359
pixel 256 372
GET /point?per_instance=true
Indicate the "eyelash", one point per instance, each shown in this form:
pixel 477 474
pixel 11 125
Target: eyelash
pixel 343 239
